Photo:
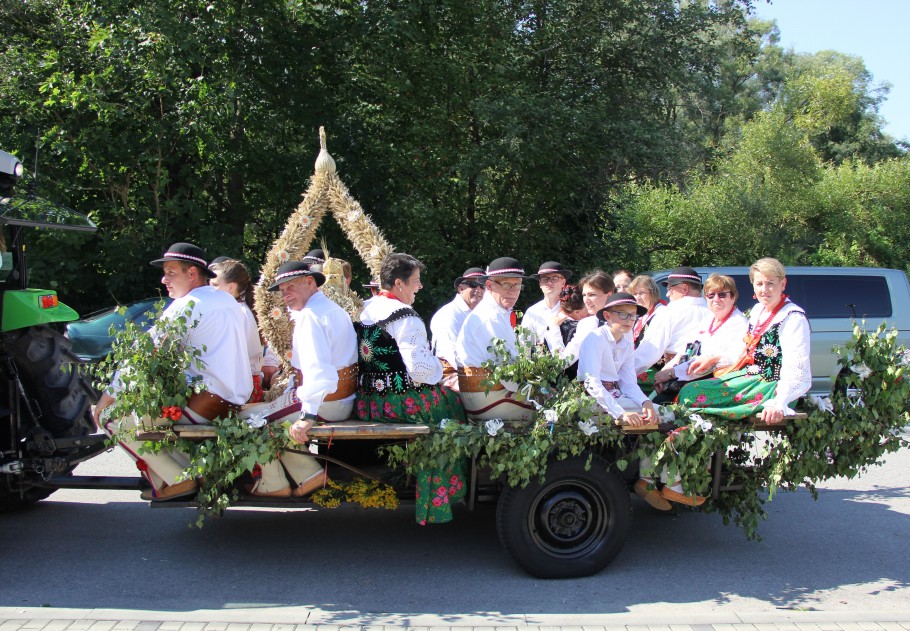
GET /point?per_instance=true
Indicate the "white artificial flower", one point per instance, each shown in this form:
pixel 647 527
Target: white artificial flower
pixel 700 423
pixel 375 251
pixel 822 403
pixel 550 416
pixel 354 215
pixel 588 427
pixel 443 423
pixel 493 426
pixel 862 371
pixel 256 421
pixel 284 256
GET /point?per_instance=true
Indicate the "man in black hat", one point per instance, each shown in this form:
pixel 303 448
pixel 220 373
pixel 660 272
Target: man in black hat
pixel 540 316
pixel 324 354
pixel 492 319
pixel 446 323
pixel 218 331
pixel 671 328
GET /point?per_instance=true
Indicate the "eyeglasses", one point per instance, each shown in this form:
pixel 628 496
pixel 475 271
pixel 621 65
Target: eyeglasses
pixel 723 295
pixel 549 280
pixel 508 286
pixel 473 284
pixel 622 315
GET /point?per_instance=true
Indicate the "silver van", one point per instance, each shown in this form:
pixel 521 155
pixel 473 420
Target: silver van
pixel 833 297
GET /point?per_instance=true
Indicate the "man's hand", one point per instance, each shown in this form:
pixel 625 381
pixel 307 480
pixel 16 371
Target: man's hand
pixel 649 413
pixel 663 376
pixel 105 401
pixel 631 418
pixel 299 429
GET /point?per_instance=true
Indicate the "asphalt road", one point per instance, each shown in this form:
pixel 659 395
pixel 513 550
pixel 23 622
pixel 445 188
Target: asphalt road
pixel 107 549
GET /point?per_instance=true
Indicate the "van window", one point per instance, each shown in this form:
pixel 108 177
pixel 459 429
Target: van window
pixel 829 295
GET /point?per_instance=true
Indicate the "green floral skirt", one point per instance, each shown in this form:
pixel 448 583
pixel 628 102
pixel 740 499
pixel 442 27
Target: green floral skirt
pixel 733 396
pixel 646 380
pixel 437 489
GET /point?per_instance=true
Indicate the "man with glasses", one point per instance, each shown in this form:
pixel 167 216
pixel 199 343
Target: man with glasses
pixel 671 328
pixel 446 323
pixel 540 316
pixel 492 319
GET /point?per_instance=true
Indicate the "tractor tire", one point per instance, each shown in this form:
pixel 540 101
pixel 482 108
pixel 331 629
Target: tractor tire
pixel 571 525
pixel 52 378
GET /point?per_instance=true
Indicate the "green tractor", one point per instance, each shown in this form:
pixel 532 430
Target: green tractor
pixel 46 426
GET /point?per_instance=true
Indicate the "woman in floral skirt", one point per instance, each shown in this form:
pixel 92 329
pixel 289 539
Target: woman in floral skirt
pixel 399 377
pixel 773 370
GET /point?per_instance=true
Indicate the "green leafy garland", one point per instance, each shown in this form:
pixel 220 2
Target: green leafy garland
pixel 843 435
pixel 566 423
pixel 149 369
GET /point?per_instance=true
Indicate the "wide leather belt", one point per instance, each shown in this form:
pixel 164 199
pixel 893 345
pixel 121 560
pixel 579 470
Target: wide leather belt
pixel 347 384
pixel 447 369
pixel 472 380
pixel 211 406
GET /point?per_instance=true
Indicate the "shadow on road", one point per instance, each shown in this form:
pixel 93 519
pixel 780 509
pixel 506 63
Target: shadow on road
pixel 124 555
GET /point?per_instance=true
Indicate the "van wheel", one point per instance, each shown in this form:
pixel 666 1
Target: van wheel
pixel 573 524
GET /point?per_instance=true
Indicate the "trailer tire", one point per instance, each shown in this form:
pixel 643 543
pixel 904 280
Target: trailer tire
pixel 573 524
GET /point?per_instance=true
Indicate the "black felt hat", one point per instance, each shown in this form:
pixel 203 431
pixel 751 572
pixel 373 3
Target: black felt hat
pixel 472 273
pixel 188 253
pixel 553 267
pixel 621 298
pixel 220 259
pixel 294 269
pixel 505 267
pixel 682 275
pixel 314 256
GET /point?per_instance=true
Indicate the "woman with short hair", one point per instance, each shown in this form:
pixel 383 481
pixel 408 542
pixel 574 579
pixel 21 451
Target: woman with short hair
pixel 773 370
pixel 399 377
pixel 718 344
pixel 647 294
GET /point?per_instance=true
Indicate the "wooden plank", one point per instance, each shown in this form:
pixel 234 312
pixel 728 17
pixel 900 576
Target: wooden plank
pixel 342 430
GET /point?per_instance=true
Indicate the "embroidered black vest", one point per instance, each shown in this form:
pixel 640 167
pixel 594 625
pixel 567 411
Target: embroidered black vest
pixel 380 366
pixel 768 355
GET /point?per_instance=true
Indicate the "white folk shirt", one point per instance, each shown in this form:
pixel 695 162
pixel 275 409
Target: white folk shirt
pixel 670 330
pixel 253 343
pixel 728 342
pixel 487 322
pixel 445 325
pixel 606 359
pixel 324 342
pixel 539 317
pixel 220 335
pixel 795 371
pixel 411 336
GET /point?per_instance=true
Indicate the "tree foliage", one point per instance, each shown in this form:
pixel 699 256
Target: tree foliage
pixel 599 132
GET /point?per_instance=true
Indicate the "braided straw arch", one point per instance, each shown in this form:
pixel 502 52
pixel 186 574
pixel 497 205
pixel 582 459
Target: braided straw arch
pixel 326 192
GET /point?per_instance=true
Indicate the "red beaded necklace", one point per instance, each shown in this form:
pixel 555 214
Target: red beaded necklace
pixel 713 329
pixel 760 328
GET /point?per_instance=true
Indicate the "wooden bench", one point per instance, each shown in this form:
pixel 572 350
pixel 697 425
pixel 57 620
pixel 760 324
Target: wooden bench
pixel 342 430
pixel 755 420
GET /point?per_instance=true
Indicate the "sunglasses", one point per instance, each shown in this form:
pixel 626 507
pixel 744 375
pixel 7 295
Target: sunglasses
pixel 723 295
pixel 473 284
pixel 622 315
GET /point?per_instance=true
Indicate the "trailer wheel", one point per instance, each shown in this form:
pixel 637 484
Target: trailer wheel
pixel 573 524
pixel 51 377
